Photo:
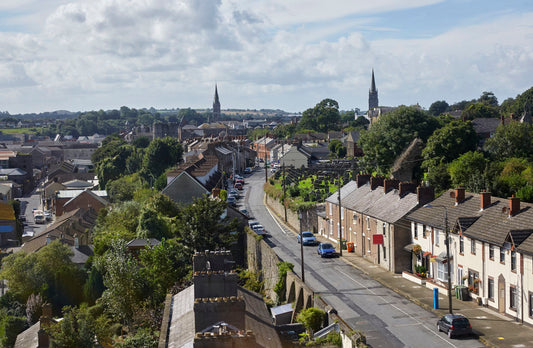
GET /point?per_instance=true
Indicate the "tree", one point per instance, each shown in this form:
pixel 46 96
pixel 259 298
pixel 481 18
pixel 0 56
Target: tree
pixel 480 110
pixel 161 154
pixel 514 139
pixel 448 143
pixel 123 188
pixel 488 98
pixel 312 319
pixel 322 118
pixel 152 225
pixel 201 226
pixel 438 107
pixel 469 171
pixel 392 133
pixel 123 281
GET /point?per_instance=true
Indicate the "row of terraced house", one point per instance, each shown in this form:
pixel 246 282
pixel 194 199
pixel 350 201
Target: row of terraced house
pixel 399 226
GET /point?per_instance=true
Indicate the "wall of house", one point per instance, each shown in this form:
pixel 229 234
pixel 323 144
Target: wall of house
pixel 82 201
pixel 294 158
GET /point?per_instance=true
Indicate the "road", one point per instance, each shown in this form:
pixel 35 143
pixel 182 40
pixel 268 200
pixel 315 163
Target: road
pixel 27 204
pixel 386 318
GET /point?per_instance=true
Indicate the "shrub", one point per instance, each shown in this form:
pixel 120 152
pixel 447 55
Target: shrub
pixel 281 285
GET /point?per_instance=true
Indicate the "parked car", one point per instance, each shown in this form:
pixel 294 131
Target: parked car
pixel 251 224
pixel 259 229
pixel 48 215
pixel 231 200
pixel 246 213
pixel 22 218
pixel 326 250
pixel 308 238
pixel 247 170
pixel 238 186
pixel 454 325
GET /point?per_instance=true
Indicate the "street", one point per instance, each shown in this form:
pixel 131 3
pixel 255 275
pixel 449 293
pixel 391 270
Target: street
pixel 386 318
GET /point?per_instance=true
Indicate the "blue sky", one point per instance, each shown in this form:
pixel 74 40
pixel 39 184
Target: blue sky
pixel 284 54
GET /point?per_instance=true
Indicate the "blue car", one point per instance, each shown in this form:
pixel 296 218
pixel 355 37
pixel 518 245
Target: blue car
pixel 326 250
pixel 308 238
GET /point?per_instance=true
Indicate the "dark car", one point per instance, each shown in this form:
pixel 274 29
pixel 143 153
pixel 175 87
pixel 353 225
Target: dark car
pixel 454 325
pixel 308 238
pixel 326 250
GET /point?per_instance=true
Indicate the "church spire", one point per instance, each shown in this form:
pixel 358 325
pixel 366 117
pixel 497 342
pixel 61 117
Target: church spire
pixel 216 106
pixel 373 94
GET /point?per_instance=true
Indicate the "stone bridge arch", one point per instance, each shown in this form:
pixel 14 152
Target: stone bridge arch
pixel 298 293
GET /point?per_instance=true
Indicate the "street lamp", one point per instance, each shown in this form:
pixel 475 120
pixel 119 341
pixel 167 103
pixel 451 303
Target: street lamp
pixel 447 242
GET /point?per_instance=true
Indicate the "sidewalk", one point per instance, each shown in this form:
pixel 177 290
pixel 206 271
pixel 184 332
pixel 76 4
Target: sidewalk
pixel 493 328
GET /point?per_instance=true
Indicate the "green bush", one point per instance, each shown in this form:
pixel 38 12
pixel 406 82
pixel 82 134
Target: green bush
pixel 281 285
pixel 10 327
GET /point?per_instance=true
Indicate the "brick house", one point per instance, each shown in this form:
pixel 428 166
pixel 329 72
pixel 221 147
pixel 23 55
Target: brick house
pixel 69 200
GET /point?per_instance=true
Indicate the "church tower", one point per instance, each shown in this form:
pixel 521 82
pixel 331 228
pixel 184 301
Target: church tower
pixel 216 107
pixel 373 94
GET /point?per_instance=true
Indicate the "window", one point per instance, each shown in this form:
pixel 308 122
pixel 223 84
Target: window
pixel 368 223
pixel 437 237
pixel 491 252
pixel 502 255
pixel 416 231
pixel 473 281
pixel 342 213
pixel 513 261
pixel 424 232
pixel 355 219
pixel 472 246
pixel 490 289
pixel 442 272
pixel 461 244
pixel 384 229
pixel 512 297
pixel 384 252
pixel 531 304
pixel 330 209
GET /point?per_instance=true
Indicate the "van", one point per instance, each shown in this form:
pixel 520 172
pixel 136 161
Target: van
pixel 39 218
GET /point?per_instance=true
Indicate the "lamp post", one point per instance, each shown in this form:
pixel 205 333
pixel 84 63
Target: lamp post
pixel 447 242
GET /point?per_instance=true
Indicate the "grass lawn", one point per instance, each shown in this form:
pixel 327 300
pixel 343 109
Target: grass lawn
pixel 18 130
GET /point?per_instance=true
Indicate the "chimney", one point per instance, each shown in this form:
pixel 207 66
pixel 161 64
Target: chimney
pixel 405 188
pixel 425 194
pixel 459 195
pixel 389 184
pixel 485 200
pixel 362 179
pixel 376 181
pixel 514 205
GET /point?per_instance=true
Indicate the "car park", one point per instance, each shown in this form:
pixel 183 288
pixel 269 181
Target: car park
pixel 308 238
pixel 326 250
pixel 454 325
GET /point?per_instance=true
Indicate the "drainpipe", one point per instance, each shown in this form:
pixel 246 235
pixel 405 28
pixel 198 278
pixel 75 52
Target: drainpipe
pixel 389 237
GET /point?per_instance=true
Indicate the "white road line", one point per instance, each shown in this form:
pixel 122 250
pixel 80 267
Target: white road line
pixel 400 310
pixel 275 220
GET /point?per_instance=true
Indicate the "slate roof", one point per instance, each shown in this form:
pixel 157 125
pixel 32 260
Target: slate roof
pixel 12 171
pixel 491 225
pixel 345 190
pixel 77 183
pixel 138 242
pixel 98 195
pixel 387 207
pixel 486 125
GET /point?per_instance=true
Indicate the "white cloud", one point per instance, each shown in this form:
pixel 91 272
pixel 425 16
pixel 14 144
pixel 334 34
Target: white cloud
pixel 95 54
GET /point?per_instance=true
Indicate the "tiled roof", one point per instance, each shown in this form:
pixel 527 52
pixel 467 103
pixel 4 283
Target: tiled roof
pixel 491 225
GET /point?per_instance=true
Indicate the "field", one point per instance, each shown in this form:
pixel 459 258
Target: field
pixel 18 130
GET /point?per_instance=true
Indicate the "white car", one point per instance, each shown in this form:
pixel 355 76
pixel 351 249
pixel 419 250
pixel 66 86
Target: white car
pixel 259 229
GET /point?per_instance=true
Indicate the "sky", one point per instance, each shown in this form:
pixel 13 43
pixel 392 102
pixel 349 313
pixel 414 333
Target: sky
pixel 82 55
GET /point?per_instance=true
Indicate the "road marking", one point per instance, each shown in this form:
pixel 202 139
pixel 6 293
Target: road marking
pixel 275 220
pixel 399 309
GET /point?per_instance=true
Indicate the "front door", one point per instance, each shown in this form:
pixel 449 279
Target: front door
pixel 501 294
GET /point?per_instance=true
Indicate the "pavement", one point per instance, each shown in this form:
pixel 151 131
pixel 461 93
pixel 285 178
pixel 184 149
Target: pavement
pixel 492 328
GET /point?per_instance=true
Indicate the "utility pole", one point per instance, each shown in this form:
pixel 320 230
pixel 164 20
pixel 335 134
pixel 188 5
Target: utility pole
pixel 300 215
pixel 284 192
pixel 266 170
pixel 340 216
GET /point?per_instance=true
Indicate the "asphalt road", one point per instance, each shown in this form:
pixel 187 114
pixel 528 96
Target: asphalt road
pixel 386 318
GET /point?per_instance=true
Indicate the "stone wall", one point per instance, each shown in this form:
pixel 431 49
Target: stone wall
pixel 309 218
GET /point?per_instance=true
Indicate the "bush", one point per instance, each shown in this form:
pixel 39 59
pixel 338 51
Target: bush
pixel 312 319
pixel 281 285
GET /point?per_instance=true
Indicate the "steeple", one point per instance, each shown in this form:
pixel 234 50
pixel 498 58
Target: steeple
pixel 373 94
pixel 216 106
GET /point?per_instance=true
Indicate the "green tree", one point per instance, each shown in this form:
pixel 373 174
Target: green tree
pixel 165 264
pixel 488 98
pixel 480 110
pixel 141 339
pixel 514 139
pixel 123 188
pixel 322 118
pixel 312 319
pixel 469 171
pixel 449 142
pixel 162 154
pixel 392 133
pixel 438 107
pixel 152 225
pixel 141 142
pixel 439 177
pixel 12 326
pixel 123 281
pixel 201 226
